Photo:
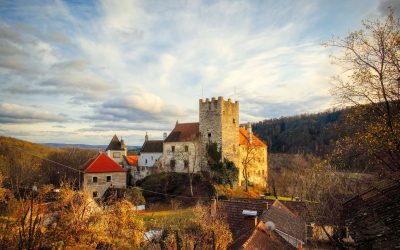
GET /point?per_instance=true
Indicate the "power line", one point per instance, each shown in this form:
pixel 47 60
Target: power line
pixel 77 170
pixel 173 195
pixel 43 158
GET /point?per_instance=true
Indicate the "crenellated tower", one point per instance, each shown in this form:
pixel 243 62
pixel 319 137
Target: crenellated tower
pixel 219 123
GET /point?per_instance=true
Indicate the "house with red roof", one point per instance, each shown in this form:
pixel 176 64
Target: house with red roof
pixel 101 173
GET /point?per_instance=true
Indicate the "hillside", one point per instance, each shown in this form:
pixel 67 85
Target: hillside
pixel 24 164
pixel 306 133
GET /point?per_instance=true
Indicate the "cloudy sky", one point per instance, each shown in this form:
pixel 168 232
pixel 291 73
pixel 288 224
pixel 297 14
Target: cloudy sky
pixel 80 71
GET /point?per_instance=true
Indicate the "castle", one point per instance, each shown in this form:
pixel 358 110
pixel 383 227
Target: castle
pixel 184 150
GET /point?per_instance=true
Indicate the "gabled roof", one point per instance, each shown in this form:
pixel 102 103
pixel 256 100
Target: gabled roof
pixel 233 212
pixel 285 220
pixel 132 160
pixel 184 132
pixel 103 164
pixel 115 144
pixel 153 146
pixel 244 138
pixel 260 238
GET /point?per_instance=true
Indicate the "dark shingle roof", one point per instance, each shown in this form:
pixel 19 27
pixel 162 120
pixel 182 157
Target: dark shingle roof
pixel 115 144
pixel 373 217
pixel 153 146
pixel 184 132
pixel 285 220
pixel 233 212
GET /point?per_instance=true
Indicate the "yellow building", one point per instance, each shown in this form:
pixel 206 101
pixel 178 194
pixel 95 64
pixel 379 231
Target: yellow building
pixel 253 161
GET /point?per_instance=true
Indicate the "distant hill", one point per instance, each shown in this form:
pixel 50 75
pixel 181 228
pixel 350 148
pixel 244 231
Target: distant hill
pixel 306 133
pixel 86 146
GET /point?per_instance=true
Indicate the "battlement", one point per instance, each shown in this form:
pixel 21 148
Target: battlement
pixel 220 99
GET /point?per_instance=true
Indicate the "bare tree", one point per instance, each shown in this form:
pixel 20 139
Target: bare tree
pixel 371 82
pixel 248 160
pixel 190 154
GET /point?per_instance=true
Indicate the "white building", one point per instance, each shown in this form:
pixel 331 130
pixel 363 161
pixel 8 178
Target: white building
pixel 150 152
pixel 182 149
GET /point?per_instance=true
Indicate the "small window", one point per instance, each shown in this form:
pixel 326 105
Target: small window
pixel 172 164
pixel 116 155
pixel 186 163
pixel 263 173
pixel 234 121
pixel 233 148
pixel 186 148
pixel 95 194
pixel 145 161
pixel 173 148
pixel 152 158
pixel 108 178
pixel 209 137
pixel 94 179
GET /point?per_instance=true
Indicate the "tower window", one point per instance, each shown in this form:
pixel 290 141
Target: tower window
pixel 209 137
pixel 173 148
pixel 186 148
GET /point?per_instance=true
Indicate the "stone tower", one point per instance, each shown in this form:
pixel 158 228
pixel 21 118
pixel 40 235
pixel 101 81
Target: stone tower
pixel 219 123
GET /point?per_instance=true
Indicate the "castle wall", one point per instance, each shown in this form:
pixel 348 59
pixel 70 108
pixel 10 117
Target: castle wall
pixel 193 156
pixel 219 123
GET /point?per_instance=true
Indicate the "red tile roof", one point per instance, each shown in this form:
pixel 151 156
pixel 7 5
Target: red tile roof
pixel 184 132
pixel 243 138
pixel 260 238
pixel 103 164
pixel 132 160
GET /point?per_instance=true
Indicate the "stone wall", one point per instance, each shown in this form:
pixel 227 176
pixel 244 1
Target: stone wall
pixel 118 180
pixel 193 156
pixel 219 123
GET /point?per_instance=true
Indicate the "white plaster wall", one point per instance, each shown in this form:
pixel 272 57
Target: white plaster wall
pixel 151 158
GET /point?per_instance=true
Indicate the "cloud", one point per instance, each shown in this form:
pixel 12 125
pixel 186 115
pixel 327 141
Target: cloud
pixel 141 108
pixel 13 113
pixel 385 4
pixel 142 65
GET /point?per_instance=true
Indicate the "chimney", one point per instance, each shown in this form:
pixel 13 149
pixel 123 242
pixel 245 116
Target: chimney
pixel 249 130
pixel 213 209
pixel 146 137
pixel 250 219
pixel 165 135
